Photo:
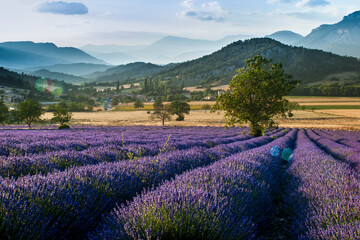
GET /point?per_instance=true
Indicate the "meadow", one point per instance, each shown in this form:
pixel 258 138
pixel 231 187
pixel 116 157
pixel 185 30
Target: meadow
pixel 149 182
pixel 319 112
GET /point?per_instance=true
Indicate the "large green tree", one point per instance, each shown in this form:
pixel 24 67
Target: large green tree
pixel 179 108
pixel 256 95
pixel 4 112
pixel 29 111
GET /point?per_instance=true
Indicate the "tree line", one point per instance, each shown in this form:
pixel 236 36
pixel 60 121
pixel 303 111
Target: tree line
pixel 30 112
pixel 333 90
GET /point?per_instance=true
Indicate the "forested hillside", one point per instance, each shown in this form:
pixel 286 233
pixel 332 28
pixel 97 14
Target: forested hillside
pixel 304 64
pixel 128 71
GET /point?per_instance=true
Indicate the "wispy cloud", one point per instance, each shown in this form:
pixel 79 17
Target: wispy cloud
pixel 211 11
pixel 312 3
pixel 187 3
pixel 73 8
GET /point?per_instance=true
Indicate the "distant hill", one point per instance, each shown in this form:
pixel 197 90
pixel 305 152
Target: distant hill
pixel 25 81
pixel 16 80
pixel 59 76
pixel 341 38
pixel 76 69
pixel 304 64
pixel 166 50
pixel 286 37
pixel 29 54
pixel 115 58
pixel 124 72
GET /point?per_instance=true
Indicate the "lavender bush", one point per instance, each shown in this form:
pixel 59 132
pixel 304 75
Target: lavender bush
pixel 322 196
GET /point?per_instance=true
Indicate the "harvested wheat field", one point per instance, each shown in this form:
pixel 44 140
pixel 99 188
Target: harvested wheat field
pixel 301 119
pixel 323 99
pixel 354 113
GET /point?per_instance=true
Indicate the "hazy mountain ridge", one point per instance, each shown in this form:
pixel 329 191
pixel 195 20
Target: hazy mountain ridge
pixel 131 70
pixel 59 76
pixel 21 80
pixel 30 54
pixel 286 37
pixel 76 69
pixel 166 50
pixel 341 38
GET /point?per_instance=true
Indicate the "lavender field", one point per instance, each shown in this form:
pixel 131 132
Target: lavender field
pixel 179 183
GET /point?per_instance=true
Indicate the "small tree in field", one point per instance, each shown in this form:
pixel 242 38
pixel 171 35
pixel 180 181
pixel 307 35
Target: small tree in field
pixel 29 111
pixel 206 107
pixel 61 115
pixel 179 108
pixel 256 94
pixel 161 111
pixel 138 104
pixel 4 112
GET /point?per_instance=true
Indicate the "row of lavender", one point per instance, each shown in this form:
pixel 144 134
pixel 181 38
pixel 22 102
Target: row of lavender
pixel 39 152
pixel 21 142
pixel 323 194
pixel 233 198
pixel 230 199
pixel 67 204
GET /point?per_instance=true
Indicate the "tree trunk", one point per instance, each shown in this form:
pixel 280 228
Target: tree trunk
pixel 256 130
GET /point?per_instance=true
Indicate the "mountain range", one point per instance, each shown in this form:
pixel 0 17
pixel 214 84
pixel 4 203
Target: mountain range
pixel 341 38
pixel 169 49
pixel 132 70
pixel 30 54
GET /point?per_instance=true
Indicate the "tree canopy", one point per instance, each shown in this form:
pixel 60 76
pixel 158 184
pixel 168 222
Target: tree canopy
pixel 138 104
pixel 179 108
pixel 4 112
pixel 61 115
pixel 29 111
pixel 161 111
pixel 256 95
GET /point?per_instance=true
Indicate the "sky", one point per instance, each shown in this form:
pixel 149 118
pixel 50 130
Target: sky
pixel 142 22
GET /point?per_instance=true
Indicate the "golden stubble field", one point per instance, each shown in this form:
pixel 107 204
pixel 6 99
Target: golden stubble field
pixel 348 119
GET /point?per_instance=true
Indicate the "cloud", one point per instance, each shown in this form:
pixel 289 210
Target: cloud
pixel 187 3
pixel 312 3
pixel 211 11
pixel 74 8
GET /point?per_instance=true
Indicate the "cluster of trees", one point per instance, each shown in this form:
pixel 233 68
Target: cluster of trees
pixel 11 81
pixel 200 95
pixel 164 112
pixel 30 112
pixel 162 88
pixel 74 106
